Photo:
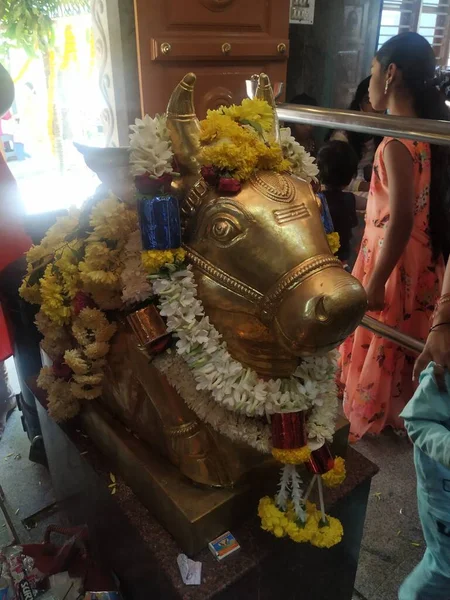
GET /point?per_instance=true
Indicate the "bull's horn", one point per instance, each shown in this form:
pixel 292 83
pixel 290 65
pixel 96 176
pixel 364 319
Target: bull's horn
pixel 184 126
pixel 264 92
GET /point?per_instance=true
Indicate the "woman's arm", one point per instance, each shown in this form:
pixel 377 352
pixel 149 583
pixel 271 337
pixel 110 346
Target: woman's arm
pixel 359 184
pixel 400 175
pixel 437 346
pixel 361 202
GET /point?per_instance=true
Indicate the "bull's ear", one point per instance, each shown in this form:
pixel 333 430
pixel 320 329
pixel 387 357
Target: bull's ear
pixel 264 91
pixel 184 126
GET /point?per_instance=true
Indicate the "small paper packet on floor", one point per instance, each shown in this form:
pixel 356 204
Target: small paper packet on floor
pixel 190 570
pixel 224 545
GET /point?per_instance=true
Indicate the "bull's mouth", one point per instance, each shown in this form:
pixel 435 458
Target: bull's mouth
pixel 319 350
pixel 303 347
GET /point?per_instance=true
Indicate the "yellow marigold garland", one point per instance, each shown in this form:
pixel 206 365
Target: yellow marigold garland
pixel 286 524
pixel 52 294
pixel 253 110
pixel 326 534
pixel 75 360
pixel 30 293
pixel 56 340
pixel 336 475
pixel 112 220
pixel 334 241
pixel 69 260
pixel 154 260
pixel 272 518
pixel 233 140
pixel 62 405
pixel 294 456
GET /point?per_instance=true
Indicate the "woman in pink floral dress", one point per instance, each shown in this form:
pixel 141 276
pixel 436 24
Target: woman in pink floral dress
pixel 400 262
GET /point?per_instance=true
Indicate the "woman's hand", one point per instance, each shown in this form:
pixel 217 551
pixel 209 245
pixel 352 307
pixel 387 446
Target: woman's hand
pixel 437 348
pixel 375 295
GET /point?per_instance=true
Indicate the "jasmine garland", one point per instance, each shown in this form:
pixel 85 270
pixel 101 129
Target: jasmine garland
pixel 232 386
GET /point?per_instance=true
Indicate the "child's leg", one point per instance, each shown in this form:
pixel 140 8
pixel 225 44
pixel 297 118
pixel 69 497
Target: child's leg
pixel 430 580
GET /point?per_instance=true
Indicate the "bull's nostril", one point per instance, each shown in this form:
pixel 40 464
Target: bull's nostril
pixel 320 310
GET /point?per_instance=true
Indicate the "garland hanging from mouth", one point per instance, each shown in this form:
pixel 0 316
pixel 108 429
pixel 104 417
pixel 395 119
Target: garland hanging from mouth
pixel 231 397
pixel 233 386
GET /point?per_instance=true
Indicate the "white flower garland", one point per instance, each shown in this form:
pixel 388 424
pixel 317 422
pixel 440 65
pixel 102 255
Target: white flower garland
pixel 239 428
pixel 150 147
pixel 302 163
pixel 233 386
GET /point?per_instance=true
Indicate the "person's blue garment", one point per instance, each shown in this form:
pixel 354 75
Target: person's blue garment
pixel 427 420
pixel 325 215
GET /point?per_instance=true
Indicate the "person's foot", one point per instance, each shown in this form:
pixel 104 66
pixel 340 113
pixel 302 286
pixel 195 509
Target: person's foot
pixel 5 411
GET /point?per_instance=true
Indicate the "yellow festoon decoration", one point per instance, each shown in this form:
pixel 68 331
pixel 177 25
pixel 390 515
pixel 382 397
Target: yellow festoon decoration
pixel 23 70
pixel 294 456
pixel 74 274
pixel 91 51
pixel 51 84
pixel 235 140
pixel 70 48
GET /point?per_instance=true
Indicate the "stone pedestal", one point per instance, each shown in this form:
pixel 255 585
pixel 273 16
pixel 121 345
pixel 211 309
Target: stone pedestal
pixel 143 555
pixel 192 514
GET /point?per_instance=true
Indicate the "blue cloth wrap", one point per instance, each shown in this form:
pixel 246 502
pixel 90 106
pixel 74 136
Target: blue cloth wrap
pixel 159 218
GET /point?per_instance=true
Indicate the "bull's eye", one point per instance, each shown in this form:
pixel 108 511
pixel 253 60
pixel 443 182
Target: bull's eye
pixel 225 229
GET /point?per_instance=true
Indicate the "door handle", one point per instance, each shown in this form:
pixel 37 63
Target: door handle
pixel 226 48
pixel 166 48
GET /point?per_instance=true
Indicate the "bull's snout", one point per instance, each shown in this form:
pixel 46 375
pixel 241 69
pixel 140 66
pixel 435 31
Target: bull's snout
pixel 318 314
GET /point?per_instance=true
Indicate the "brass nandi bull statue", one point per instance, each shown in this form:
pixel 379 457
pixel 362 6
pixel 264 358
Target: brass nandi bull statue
pixel 267 280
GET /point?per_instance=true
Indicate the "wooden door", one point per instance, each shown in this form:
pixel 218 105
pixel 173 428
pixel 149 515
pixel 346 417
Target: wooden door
pixel 222 41
pixel 350 66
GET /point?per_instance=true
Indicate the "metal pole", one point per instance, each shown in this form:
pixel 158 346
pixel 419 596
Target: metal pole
pixel 436 132
pixel 425 130
pixel 403 340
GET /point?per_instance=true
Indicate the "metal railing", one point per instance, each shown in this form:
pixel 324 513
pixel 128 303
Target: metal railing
pixel 405 341
pixel 436 132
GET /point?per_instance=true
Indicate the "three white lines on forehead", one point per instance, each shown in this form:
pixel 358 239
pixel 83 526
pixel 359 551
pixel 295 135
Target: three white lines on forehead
pixel 285 215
